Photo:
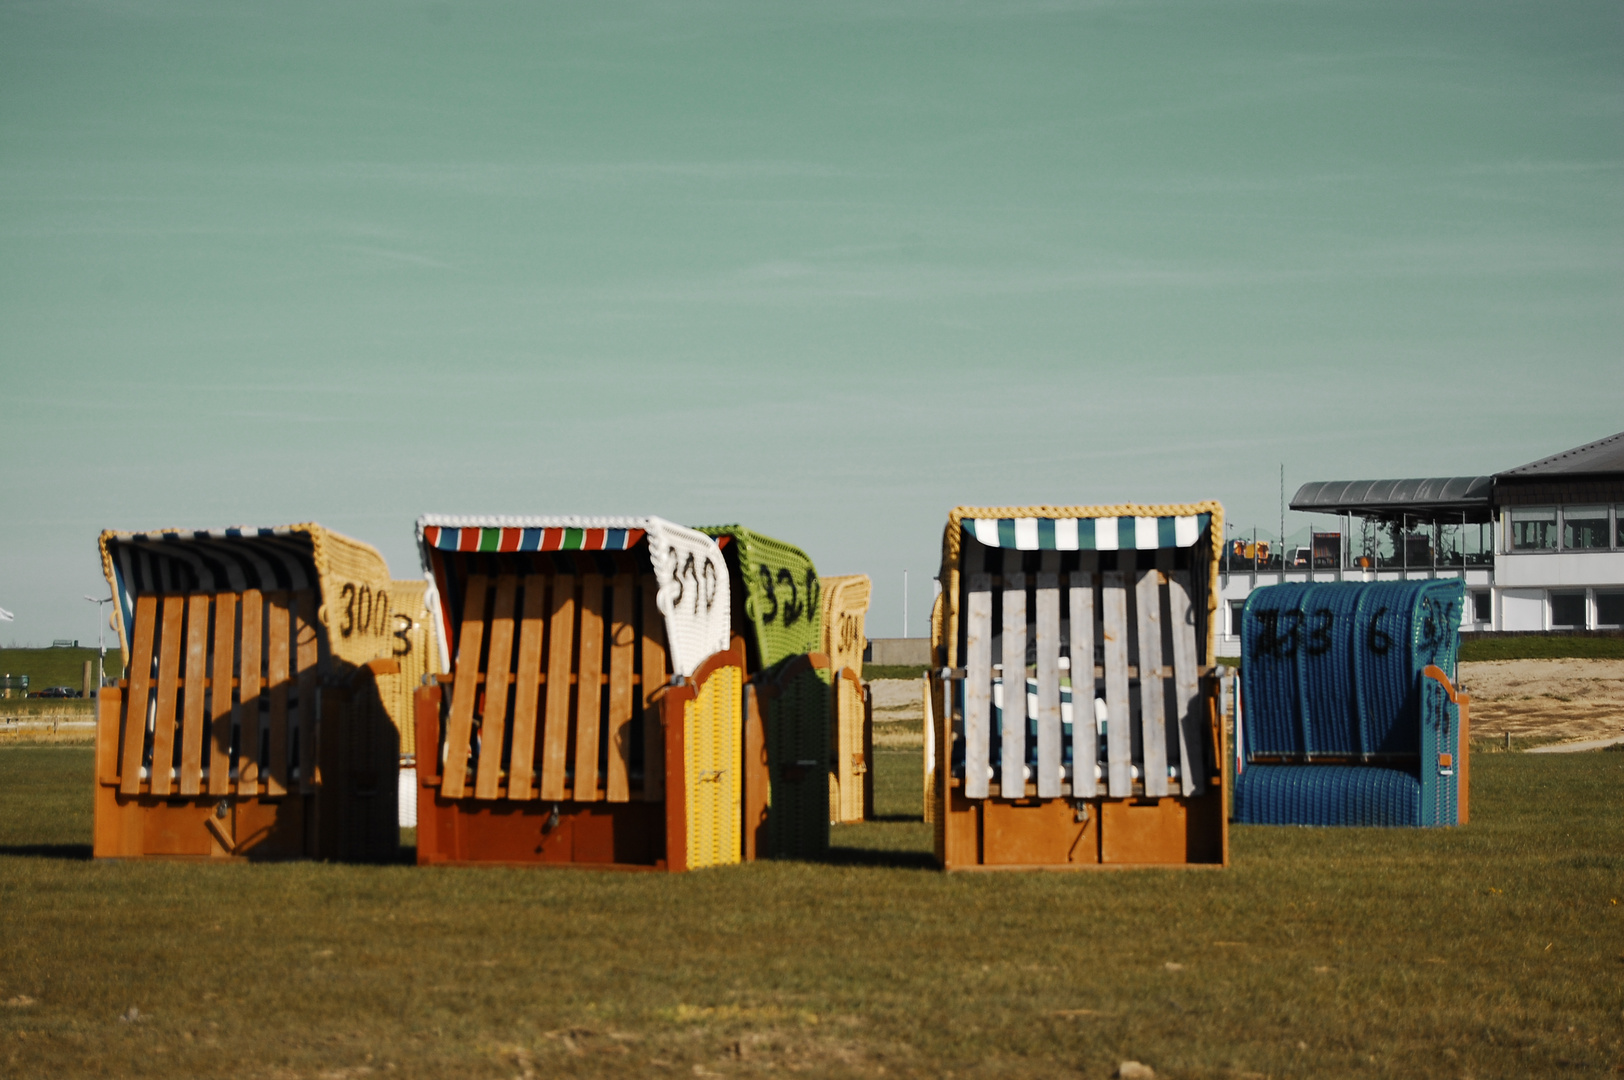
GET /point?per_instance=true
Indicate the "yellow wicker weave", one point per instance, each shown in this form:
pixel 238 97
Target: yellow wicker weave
pixel 845 602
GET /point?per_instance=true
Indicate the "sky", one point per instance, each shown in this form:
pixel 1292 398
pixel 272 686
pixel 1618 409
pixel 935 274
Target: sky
pixel 826 270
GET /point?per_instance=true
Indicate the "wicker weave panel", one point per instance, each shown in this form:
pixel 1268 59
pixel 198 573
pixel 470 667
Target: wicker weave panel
pixel 798 748
pixel 783 604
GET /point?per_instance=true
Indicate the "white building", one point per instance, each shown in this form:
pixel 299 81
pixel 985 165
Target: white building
pixel 1541 546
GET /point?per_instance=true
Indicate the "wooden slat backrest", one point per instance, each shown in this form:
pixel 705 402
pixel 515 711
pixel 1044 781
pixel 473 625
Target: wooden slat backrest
pixel 1152 687
pixel 1047 615
pixel 220 679
pixel 1188 710
pixel 1012 771
pixel 250 694
pixel 493 725
pixel 571 681
pixel 1114 632
pixel 1144 622
pixel 163 728
pixel 136 701
pixel 460 725
pixel 197 655
pixel 589 689
pixel 555 728
pixel 655 661
pixel 622 658
pixel 201 665
pixel 307 655
pixel 278 662
pixel 1085 745
pixel 527 688
pixel 978 686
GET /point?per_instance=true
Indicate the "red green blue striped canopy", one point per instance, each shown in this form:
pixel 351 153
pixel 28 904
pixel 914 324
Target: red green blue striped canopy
pixel 531 538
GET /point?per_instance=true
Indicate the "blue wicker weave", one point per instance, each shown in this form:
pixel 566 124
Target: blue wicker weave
pixel 1327 795
pixel 1334 671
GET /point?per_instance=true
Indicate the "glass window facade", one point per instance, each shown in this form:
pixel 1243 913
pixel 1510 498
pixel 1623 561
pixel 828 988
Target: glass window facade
pixel 1585 528
pixel 1568 610
pixel 1533 529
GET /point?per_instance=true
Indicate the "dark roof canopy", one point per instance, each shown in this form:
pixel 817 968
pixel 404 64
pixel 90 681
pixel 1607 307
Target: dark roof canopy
pixel 1597 458
pixel 1444 496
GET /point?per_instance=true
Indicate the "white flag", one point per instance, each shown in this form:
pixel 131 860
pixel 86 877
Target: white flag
pixel 6 616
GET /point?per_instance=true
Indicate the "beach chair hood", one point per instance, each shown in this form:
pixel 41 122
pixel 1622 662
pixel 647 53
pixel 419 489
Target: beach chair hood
pixel 783 604
pixel 1120 527
pixel 283 557
pixel 692 578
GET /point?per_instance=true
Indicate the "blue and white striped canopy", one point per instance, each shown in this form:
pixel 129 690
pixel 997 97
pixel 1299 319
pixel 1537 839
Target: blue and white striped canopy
pixel 1088 534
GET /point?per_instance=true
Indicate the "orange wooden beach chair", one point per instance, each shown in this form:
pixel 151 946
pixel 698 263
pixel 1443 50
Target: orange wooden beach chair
pixel 591 710
pixel 261 712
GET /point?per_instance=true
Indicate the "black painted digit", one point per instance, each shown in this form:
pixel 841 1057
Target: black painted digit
pixel 766 575
pixel 1376 639
pixel 405 645
pixel 347 627
pixel 1319 638
pixel 792 609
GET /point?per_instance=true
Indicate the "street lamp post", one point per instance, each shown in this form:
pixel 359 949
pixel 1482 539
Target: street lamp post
pixel 101 642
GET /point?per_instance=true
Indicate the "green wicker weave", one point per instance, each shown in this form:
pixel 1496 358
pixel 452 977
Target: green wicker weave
pixel 778 609
pixel 783 604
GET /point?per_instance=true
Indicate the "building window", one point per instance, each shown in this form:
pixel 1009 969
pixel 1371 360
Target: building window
pixel 1533 529
pixel 1482 607
pixel 1568 610
pixel 1237 608
pixel 1618 527
pixel 1610 609
pixel 1584 528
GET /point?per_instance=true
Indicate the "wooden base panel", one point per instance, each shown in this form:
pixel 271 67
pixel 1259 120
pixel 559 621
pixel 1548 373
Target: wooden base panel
pixel 148 826
pixel 1045 834
pixel 626 836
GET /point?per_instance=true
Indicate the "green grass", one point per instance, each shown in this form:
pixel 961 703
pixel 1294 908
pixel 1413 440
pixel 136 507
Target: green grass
pixel 1541 647
pixel 1494 950
pixel 895 671
pixel 57 667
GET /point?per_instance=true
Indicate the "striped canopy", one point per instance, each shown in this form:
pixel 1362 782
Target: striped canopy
pixel 530 538
pixel 1088 534
pixel 693 583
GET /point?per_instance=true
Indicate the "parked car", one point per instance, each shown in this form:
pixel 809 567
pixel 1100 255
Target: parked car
pixel 60 691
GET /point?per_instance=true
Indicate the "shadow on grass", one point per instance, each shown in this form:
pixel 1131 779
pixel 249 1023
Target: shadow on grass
pixel 879 857
pixel 73 852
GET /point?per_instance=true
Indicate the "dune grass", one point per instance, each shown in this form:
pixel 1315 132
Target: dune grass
pixel 1494 950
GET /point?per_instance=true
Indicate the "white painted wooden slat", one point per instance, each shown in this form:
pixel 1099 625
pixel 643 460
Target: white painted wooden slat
pixel 1152 693
pixel 1118 739
pixel 1012 773
pixel 977 685
pixel 1084 733
pixel 1186 687
pixel 1048 639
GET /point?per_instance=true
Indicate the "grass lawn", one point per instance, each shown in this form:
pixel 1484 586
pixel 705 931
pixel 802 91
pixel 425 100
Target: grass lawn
pixel 1492 951
pixel 58 667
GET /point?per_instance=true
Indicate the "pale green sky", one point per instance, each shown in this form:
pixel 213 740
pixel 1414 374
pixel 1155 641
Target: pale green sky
pixel 825 269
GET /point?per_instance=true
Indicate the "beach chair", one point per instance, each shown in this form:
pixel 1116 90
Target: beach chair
pixel 851 778
pixel 778 613
pixel 591 710
pixel 261 713
pixel 1074 701
pixel 1349 713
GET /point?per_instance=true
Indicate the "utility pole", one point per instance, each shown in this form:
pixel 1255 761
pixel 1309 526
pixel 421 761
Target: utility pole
pixel 101 642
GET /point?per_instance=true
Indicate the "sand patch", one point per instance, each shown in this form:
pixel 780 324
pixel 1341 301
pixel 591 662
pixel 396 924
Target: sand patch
pixel 1564 699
